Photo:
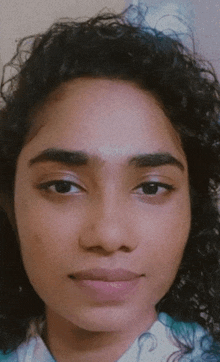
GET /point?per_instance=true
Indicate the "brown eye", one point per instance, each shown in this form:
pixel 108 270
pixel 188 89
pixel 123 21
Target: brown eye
pixel 61 187
pixel 150 188
pixel 153 188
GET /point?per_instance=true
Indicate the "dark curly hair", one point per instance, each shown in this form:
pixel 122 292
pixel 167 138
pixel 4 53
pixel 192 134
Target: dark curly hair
pixel 113 47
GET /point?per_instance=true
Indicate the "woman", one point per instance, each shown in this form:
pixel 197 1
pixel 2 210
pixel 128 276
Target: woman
pixel 109 144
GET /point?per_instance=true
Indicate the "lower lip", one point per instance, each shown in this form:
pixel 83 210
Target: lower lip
pixel 103 291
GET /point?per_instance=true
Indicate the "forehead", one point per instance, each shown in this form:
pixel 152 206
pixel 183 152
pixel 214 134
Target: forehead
pixel 112 118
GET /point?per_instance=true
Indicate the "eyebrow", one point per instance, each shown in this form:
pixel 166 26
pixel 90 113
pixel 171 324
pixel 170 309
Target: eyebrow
pixel 71 158
pixel 155 160
pixel 81 158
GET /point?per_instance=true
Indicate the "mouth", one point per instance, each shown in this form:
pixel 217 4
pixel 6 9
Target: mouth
pixel 106 285
pixel 108 275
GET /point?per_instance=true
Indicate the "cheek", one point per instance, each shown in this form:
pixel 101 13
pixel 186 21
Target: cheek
pixel 48 239
pixel 48 256
pixel 165 232
pixel 46 234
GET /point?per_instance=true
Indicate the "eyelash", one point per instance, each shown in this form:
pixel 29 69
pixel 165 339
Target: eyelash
pixel 151 187
pixel 62 183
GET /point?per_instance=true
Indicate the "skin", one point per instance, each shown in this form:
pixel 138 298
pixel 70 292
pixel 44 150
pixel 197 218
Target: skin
pixel 108 221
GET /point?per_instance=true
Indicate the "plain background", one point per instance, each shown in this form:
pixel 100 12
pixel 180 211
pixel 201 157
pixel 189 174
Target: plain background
pixel 19 18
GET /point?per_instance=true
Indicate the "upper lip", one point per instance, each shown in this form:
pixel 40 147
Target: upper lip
pixel 110 275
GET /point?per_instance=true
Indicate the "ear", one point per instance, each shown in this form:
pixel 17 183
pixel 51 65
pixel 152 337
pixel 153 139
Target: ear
pixel 7 205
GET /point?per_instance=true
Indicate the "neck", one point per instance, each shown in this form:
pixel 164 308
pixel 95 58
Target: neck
pixel 68 342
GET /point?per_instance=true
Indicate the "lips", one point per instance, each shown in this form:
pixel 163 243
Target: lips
pixel 106 285
pixel 110 275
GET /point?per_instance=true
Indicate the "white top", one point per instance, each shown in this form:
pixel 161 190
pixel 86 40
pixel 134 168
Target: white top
pixel 154 345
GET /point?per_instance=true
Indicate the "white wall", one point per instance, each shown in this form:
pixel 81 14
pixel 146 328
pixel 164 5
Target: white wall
pixel 203 16
pixel 19 18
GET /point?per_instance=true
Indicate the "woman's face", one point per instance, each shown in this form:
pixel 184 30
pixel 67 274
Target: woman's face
pixel 102 183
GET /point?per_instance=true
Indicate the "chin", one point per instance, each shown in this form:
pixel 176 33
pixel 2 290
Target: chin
pixel 104 319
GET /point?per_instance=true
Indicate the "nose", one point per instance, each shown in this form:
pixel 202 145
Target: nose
pixel 108 229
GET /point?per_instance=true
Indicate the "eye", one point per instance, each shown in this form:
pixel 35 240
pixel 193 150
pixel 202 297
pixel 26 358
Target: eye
pixel 61 187
pixel 153 188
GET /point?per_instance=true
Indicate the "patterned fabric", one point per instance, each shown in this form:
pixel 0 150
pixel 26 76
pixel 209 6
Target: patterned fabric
pixel 154 345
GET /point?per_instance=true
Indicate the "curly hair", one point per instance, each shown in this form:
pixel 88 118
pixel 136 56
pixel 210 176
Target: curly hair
pixel 111 46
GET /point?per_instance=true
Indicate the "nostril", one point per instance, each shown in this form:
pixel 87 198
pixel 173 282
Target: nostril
pixel 125 248
pixel 100 250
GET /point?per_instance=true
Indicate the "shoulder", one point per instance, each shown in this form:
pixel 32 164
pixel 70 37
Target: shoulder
pixel 34 350
pixel 183 330
pixel 167 338
pixel 171 340
pixel 191 339
pixel 9 357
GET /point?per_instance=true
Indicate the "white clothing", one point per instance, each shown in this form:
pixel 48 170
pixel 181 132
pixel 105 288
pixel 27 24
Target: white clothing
pixel 154 345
